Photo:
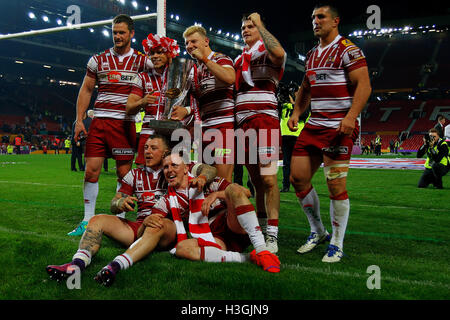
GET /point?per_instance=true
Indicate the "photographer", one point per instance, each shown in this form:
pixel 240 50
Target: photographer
pixel 438 163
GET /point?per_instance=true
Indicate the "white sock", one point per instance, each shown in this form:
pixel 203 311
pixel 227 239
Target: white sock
pixel 90 193
pixel 311 206
pixel 213 254
pixel 122 214
pixel 84 255
pixel 272 231
pixel 248 220
pixel 339 213
pixel 124 261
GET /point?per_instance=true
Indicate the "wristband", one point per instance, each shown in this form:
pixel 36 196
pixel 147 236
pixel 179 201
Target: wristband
pixel 188 110
pixel 204 60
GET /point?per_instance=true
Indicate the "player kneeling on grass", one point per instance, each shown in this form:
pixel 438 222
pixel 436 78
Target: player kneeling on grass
pixel 147 184
pixel 231 227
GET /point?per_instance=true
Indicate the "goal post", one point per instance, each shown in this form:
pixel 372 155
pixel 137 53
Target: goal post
pixel 160 16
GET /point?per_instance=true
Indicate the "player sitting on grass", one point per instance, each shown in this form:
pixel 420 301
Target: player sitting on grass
pixel 147 184
pixel 232 224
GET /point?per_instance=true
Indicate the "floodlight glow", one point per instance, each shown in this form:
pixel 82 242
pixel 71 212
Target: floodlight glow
pixel 106 33
pixel 177 17
pixel 59 22
pixel 45 18
pixel 91 30
pixel 134 4
pixel 31 15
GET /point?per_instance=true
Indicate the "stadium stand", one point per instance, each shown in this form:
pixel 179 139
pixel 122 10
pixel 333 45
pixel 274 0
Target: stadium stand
pixel 409 70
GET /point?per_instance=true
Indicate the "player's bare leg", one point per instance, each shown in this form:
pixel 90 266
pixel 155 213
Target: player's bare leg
pixel 90 192
pixel 122 168
pixel 191 250
pixel 303 169
pixel 225 171
pixel 151 238
pixel 336 176
pixel 267 199
pixel 91 241
pixel 260 199
pixel 241 219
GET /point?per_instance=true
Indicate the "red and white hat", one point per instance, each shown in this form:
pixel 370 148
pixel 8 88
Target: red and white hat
pixel 168 45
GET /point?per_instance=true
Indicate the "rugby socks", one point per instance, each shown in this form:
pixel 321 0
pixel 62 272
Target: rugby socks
pixel 309 200
pixel 249 222
pixel 122 214
pixel 339 213
pixel 121 262
pixel 272 227
pixel 213 254
pixel 82 258
pixel 90 193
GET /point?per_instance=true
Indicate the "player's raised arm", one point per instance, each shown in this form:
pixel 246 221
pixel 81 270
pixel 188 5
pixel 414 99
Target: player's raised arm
pixel 273 46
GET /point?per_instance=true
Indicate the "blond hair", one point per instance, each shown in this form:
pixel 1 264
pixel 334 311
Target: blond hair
pixel 193 29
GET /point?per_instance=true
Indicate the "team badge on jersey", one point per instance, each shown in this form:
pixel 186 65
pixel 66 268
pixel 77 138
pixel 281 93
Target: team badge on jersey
pixel 105 66
pixel 347 43
pixel 148 196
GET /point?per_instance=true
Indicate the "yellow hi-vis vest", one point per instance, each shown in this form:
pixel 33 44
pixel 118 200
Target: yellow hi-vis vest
pixel 286 113
pixel 139 121
pixel 67 143
pixel 445 160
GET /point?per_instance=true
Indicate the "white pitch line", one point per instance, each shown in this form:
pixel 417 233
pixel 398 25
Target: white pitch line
pixel 381 206
pixel 426 283
pixel 43 184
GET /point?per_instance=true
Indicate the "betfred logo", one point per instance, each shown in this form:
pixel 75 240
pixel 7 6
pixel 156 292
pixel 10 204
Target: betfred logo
pixel 114 76
pixel 311 77
pixel 148 196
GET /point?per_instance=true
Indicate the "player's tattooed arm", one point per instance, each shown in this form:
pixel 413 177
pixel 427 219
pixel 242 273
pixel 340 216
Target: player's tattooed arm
pixel 208 171
pixel 273 46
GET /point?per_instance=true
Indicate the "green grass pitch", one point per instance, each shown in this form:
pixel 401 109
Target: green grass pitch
pixel 394 225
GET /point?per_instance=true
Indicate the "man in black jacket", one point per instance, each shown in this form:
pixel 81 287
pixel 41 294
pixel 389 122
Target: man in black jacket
pixel 437 164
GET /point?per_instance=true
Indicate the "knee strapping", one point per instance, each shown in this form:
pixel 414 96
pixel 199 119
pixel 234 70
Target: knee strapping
pixel 336 171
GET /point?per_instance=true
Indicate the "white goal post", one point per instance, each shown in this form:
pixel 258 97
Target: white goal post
pixel 160 16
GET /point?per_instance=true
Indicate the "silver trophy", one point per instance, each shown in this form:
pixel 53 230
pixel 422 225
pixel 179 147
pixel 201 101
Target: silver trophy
pixel 176 83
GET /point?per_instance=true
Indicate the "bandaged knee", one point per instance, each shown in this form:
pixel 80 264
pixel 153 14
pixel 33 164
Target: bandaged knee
pixel 336 171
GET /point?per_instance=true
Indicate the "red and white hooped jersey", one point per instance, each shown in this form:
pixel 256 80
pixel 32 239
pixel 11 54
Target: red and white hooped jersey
pixel 331 90
pixel 114 75
pixel 260 98
pixel 145 83
pixel 163 205
pixel 215 98
pixel 147 185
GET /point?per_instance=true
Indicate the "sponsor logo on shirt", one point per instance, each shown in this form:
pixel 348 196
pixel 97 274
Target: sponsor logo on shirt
pixel 115 76
pixel 122 151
